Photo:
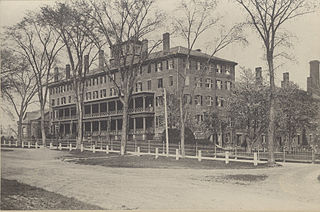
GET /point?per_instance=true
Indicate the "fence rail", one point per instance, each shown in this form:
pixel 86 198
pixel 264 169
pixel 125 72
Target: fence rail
pixel 97 143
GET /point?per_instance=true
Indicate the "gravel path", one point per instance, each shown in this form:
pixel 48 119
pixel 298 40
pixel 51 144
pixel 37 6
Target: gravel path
pixel 291 187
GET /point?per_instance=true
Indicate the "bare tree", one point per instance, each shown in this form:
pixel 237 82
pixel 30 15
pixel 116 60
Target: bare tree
pixel 21 85
pixel 268 18
pixel 122 25
pixel 40 45
pixel 198 17
pixel 66 20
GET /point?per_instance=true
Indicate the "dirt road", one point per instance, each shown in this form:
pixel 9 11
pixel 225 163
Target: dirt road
pixel 290 187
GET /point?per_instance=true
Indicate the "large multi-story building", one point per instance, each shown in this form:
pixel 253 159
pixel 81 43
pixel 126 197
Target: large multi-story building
pixel 205 87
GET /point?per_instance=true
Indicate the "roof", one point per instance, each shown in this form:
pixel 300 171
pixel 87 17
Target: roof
pixel 183 50
pixel 33 115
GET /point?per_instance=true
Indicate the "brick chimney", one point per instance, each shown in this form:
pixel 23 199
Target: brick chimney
pixel 285 81
pixel 313 82
pixel 166 42
pixel 68 71
pixel 101 59
pixel 259 75
pixel 86 63
pixel 56 74
pixel 144 50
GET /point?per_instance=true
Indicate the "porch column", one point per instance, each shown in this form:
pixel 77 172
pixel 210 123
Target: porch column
pixel 116 105
pixel 91 110
pixel 134 104
pixel 71 125
pixel 99 109
pixel 134 125
pixel 144 124
pixel 116 126
pixel 70 112
pixel 144 103
pixel 107 107
pixel 99 123
pixel 91 124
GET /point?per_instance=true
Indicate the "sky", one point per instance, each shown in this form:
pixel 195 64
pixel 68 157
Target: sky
pixel 306 29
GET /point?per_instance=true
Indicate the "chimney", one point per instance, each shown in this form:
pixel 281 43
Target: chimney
pixel 144 50
pixel 86 63
pixel 285 81
pixel 68 71
pixel 56 74
pixel 259 75
pixel 314 73
pixel 166 42
pixel 101 60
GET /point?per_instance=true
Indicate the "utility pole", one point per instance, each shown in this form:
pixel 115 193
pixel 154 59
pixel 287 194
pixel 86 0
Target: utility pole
pixel 166 121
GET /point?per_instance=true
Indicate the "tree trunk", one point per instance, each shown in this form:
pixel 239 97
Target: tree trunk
pixel 20 129
pixel 271 126
pixel 43 131
pixel 124 134
pixel 80 130
pixel 182 128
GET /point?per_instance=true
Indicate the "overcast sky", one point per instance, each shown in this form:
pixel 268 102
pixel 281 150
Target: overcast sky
pixel 306 29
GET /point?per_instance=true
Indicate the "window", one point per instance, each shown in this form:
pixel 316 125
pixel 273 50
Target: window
pixel 228 85
pixel 101 79
pixel 138 86
pixel 218 70
pixel 159 66
pixel 159 101
pixel 219 84
pixel 219 101
pixel 50 91
pixel 198 100
pixel 149 68
pixel 198 82
pixel 104 92
pixel 198 66
pixel 89 95
pixel 227 70
pixel 101 95
pixel 52 102
pixel 187 81
pixel 159 121
pixel 112 77
pixel 160 83
pixel 170 80
pixel 199 118
pixel 69 99
pixel 58 101
pixel 167 64
pixel 209 100
pixel 149 85
pixel 187 99
pixel 208 83
pixel 104 79
pixel 140 70
pixel 93 81
pixel 171 64
pixel 113 92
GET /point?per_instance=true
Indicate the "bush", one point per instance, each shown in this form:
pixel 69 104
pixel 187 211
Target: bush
pixel 174 136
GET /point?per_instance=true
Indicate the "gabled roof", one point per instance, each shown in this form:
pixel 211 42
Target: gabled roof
pixel 33 115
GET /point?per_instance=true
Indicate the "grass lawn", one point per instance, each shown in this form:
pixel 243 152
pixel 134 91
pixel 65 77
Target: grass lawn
pixel 19 196
pixel 147 161
pixel 240 179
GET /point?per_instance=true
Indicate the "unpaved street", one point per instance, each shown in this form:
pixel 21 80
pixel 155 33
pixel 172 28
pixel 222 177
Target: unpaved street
pixel 291 187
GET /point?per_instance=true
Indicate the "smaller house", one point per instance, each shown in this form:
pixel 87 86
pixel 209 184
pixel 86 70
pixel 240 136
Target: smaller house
pixel 31 124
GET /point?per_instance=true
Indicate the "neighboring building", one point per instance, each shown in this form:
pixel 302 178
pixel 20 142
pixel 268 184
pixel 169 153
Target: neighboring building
pixel 204 89
pixel 31 124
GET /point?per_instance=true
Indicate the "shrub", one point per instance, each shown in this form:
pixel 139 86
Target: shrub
pixel 174 136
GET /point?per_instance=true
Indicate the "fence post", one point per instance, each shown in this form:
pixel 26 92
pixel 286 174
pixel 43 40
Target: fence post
pixel 36 145
pixel 255 159
pixel 111 145
pixel 22 144
pixel 313 156
pixel 107 149
pixel 236 156
pixel 196 148
pixel 16 143
pixel 227 157
pixel 135 145
pixel 101 144
pixel 157 153
pixel 284 155
pixel 177 154
pixel 70 147
pixel 138 151
pixel 81 148
pixel 149 146
pixel 29 144
pixel 60 146
pixel 215 151
pixel 51 145
pixel 199 156
pixel 93 148
pixel 9 142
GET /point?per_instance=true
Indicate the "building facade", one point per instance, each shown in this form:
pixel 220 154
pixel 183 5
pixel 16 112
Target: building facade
pixel 208 80
pixel 31 124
